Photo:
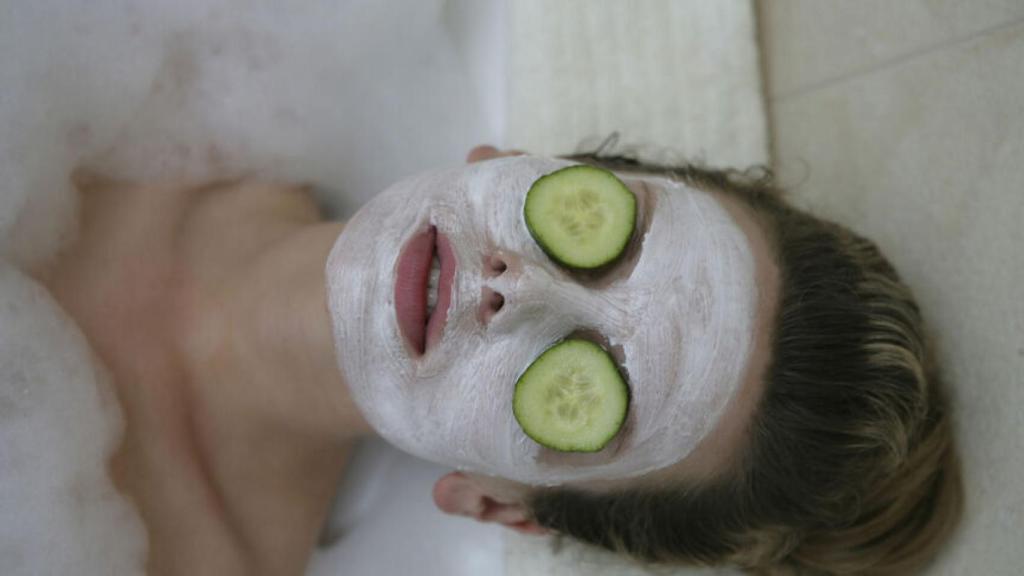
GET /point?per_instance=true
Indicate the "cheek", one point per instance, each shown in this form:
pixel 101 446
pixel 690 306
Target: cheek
pixel 501 359
pixel 500 219
pixel 477 389
pixel 499 196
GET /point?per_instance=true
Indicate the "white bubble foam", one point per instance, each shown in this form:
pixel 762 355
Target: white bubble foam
pixel 349 96
pixel 346 95
pixel 59 512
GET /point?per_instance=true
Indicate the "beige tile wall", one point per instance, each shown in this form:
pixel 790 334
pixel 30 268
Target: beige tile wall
pixel 905 121
pixel 817 41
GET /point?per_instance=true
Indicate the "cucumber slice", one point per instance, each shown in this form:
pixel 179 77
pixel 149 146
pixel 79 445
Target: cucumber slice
pixel 581 216
pixel 571 398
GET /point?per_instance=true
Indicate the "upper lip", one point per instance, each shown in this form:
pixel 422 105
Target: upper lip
pixel 412 274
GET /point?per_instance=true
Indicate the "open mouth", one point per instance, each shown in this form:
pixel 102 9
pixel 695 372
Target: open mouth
pixel 423 283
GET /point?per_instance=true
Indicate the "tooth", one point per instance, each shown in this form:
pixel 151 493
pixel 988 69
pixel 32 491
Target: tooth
pixel 432 283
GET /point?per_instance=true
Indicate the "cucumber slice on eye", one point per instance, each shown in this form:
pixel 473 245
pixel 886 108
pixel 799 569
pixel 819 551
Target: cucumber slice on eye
pixel 581 216
pixel 572 398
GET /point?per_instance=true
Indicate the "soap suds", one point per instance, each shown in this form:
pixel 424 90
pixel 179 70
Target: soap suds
pixel 59 425
pixel 319 92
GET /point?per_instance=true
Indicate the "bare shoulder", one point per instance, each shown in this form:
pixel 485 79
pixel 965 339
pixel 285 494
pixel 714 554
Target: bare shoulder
pixel 244 200
pixel 230 223
pixel 144 257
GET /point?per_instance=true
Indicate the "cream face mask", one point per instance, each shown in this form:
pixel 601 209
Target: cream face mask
pixel 677 312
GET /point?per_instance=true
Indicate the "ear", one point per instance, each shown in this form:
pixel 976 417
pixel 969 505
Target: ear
pixel 485 152
pixel 458 494
pixel 88 181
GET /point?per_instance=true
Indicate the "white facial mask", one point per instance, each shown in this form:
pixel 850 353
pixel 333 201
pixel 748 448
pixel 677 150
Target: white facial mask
pixel 683 318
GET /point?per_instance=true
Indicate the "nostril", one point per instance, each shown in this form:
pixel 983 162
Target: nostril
pixel 497 301
pixel 495 265
pixel 491 303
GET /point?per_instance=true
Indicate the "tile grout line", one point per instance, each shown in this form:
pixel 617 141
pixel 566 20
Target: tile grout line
pixel 892 62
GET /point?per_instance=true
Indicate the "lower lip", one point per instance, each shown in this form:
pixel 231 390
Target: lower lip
pixel 411 277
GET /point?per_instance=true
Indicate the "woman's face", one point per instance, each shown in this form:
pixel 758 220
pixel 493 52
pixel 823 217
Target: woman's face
pixel 677 312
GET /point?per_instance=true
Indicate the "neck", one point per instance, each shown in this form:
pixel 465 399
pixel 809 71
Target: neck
pixel 273 417
pixel 280 345
pixel 276 365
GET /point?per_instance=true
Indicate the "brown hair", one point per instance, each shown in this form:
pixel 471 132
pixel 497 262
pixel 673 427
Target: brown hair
pixel 848 465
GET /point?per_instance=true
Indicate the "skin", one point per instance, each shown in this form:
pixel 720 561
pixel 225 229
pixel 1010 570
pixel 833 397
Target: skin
pixel 208 307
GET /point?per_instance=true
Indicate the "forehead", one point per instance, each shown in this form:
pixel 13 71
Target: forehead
pixel 718 448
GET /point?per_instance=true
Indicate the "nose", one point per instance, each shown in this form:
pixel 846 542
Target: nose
pixel 496 264
pixel 514 283
pixel 491 302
